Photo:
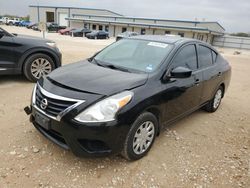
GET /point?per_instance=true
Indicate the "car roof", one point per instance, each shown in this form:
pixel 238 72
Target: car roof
pixel 163 38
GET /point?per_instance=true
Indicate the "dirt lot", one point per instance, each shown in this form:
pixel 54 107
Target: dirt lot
pixel 202 150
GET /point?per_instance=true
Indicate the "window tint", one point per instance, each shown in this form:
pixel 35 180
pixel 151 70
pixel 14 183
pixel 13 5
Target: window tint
pixel 143 31
pixel 106 28
pixel 205 56
pixel 181 34
pixel 186 58
pixel 214 56
pixel 124 29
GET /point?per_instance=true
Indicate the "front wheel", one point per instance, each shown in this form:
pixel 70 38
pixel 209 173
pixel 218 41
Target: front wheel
pixel 37 66
pixel 214 104
pixel 140 137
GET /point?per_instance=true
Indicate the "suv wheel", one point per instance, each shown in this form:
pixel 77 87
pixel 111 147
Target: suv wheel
pixel 140 137
pixel 214 104
pixel 38 65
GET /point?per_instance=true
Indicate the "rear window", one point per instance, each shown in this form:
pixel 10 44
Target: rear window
pixel 205 56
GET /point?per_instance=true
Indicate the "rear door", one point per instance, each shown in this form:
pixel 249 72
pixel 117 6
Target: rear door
pixel 6 52
pixel 210 71
pixel 184 94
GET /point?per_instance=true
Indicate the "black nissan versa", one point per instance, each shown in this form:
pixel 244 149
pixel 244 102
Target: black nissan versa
pixel 117 101
pixel 31 56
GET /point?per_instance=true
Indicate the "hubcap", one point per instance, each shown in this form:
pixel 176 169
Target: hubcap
pixel 143 137
pixel 217 99
pixel 40 67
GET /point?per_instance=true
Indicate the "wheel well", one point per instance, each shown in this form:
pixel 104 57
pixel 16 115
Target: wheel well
pixel 40 52
pixel 223 87
pixel 157 114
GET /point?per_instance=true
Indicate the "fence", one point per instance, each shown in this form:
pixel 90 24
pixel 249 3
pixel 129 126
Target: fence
pixel 232 42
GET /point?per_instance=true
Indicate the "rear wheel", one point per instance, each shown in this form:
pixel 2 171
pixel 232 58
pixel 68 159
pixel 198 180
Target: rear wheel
pixel 214 104
pixel 37 66
pixel 140 137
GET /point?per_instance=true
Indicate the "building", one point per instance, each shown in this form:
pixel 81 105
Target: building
pixel 114 23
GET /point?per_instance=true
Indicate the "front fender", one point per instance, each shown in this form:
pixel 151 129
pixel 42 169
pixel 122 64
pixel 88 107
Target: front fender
pixel 56 56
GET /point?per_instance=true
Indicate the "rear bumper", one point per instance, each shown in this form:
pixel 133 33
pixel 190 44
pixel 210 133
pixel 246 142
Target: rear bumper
pixel 84 140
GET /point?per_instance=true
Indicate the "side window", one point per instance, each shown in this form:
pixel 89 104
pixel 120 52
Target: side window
pixel 186 58
pixel 205 56
pixel 214 54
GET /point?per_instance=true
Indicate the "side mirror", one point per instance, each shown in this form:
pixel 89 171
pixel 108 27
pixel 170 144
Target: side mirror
pixel 178 72
pixel 181 72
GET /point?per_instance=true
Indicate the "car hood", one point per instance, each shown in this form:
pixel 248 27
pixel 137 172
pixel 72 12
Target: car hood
pixel 31 38
pixel 88 77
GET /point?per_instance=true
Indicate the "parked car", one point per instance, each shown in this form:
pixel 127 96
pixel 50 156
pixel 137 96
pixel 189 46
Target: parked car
pixel 12 21
pixel 54 27
pixel 24 23
pixel 35 27
pixel 79 32
pixel 126 34
pixel 66 31
pixel 29 26
pixel 17 23
pixel 3 20
pixel 33 57
pixel 118 100
pixel 97 35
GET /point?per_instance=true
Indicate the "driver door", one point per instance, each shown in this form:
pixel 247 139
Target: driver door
pixel 6 51
pixel 183 95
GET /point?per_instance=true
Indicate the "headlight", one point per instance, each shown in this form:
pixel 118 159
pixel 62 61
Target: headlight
pixel 33 97
pixel 51 44
pixel 106 109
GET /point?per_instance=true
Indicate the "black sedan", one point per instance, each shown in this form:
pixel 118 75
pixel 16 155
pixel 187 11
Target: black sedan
pixel 98 35
pixel 118 100
pixel 33 57
pixel 54 27
pixel 79 32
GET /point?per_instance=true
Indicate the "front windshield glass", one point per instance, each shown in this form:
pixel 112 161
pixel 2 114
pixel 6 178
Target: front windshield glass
pixel 138 55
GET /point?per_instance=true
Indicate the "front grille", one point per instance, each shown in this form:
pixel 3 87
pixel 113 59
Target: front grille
pixel 54 106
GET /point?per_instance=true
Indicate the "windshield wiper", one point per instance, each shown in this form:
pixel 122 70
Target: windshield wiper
pixel 111 66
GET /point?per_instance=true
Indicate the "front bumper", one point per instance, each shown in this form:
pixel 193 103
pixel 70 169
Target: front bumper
pixel 84 140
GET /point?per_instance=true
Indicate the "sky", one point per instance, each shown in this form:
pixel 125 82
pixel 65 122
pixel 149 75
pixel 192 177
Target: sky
pixel 233 15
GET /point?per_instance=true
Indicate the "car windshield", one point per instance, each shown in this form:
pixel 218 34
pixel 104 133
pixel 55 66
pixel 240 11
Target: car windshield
pixel 132 54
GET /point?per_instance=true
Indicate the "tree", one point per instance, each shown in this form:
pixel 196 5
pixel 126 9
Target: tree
pixel 240 34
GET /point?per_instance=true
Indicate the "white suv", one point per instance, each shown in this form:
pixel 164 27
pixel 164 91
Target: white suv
pixel 12 21
pixel 3 20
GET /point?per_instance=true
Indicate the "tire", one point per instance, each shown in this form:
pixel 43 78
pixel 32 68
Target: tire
pixel 130 150
pixel 214 104
pixel 40 58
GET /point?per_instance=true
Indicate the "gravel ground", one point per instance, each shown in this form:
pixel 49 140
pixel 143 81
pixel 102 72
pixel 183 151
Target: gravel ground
pixel 201 150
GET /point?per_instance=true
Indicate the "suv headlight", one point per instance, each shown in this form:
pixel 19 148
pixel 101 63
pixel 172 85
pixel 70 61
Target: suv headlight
pixel 106 109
